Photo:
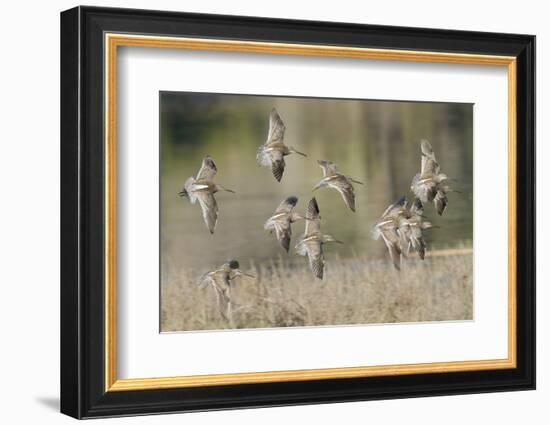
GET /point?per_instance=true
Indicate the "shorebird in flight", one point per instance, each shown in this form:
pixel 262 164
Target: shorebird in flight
pixel 220 279
pixel 202 189
pixel 312 241
pixel 387 227
pixel 412 223
pixel 343 184
pixel 281 221
pixel 272 152
pixel 401 229
pixel 429 185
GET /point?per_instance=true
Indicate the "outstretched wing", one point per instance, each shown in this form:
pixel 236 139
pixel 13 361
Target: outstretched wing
pixel 206 278
pixel 329 168
pixel 396 208
pixel 425 189
pixel 391 239
pixel 313 220
pixel 209 208
pixel 221 276
pixel 283 232
pixel 440 201
pixel 316 261
pixel 277 164
pixel 223 299
pixel 345 188
pixel 277 128
pixel 416 240
pixel 429 164
pixel 271 157
pixel 287 205
pixel 387 211
pixel 208 169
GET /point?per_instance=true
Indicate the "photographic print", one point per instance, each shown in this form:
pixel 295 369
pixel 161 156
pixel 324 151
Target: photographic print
pixel 323 193
pixel 286 211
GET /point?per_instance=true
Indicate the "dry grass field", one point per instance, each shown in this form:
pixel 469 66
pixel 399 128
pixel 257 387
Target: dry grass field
pixel 354 291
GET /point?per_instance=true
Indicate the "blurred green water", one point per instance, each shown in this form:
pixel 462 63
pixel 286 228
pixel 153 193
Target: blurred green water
pixel 375 142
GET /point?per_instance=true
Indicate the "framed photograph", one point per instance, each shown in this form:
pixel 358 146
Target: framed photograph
pixel 261 212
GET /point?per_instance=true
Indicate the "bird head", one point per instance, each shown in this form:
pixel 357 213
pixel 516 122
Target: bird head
pixel 233 264
pixel 402 201
pixel 292 200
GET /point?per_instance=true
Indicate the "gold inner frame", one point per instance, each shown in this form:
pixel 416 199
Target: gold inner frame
pixel 113 41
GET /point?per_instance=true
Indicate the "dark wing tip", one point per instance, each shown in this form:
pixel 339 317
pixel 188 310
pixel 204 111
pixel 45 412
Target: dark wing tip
pixel 285 243
pixel 318 271
pixel 278 168
pixel 440 203
pixel 317 266
pixel 274 115
pixel 313 206
pixel 210 162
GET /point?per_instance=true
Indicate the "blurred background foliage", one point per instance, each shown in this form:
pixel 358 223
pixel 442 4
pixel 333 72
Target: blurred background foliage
pixel 376 142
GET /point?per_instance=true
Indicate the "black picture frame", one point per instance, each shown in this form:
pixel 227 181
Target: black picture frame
pixel 83 392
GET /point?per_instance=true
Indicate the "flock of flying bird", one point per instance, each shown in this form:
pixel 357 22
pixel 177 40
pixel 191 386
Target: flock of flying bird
pixel 401 226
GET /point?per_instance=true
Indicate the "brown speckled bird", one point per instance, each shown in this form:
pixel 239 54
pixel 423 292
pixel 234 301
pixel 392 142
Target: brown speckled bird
pixel 343 184
pixel 202 189
pixel 312 241
pixel 411 227
pixel 220 279
pixel 401 230
pixel 387 227
pixel 430 184
pixel 272 153
pixel 281 221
